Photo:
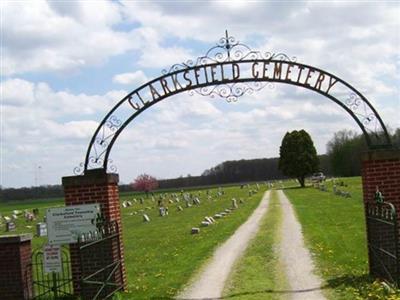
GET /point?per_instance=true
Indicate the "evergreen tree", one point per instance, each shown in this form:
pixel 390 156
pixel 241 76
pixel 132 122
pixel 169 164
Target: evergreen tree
pixel 298 157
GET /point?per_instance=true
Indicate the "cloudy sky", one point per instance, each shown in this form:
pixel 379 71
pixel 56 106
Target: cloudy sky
pixel 64 64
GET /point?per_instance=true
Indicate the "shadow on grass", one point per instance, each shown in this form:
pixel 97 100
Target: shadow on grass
pixel 343 281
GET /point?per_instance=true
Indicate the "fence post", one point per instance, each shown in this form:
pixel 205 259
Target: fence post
pixel 15 266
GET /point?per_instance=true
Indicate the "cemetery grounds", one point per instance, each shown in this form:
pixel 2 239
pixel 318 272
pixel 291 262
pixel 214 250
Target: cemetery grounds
pixel 161 256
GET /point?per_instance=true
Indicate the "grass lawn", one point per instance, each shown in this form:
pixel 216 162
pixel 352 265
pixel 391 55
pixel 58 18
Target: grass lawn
pixel 23 226
pixel 334 229
pixel 259 273
pixel 161 256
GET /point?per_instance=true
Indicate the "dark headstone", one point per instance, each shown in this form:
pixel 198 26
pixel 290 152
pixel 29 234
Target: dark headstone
pixel 195 230
pixel 10 226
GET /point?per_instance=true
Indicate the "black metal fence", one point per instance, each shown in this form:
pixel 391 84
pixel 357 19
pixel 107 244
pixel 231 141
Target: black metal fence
pixel 101 262
pixel 51 285
pixel 383 244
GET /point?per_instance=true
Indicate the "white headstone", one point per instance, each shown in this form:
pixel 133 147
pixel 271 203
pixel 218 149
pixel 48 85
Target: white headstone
pixel 41 229
pixel 205 223
pixel 234 204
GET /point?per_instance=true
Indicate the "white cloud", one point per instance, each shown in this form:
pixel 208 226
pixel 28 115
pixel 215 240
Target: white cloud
pixel 16 92
pixel 57 36
pixel 70 130
pixel 135 78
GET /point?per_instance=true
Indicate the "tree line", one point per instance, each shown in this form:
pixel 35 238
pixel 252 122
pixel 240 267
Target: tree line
pixel 346 148
pixel 342 159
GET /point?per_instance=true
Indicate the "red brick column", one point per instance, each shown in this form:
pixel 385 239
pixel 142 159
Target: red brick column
pixel 15 267
pixel 95 186
pixel 381 168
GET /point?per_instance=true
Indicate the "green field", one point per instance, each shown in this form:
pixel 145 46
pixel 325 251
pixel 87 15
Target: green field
pixel 162 255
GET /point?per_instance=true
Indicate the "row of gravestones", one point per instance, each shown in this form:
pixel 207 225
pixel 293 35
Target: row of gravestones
pixel 189 199
pixel 211 220
pixel 11 225
pixel 322 187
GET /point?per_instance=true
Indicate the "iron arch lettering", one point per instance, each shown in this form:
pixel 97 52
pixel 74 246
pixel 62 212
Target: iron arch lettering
pixel 230 70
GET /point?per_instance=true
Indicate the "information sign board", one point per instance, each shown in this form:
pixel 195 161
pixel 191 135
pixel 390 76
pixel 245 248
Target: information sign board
pixel 66 224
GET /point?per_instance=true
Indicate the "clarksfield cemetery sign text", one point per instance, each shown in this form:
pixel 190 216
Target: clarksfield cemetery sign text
pixel 229 72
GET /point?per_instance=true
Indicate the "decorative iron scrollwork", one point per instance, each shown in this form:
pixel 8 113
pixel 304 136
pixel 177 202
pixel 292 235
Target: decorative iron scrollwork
pixel 353 101
pixel 228 49
pixel 95 163
pixel 113 123
pixel 231 92
pixel 78 170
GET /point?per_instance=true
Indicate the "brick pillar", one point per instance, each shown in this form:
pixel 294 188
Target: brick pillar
pixel 95 186
pixel 381 168
pixel 15 267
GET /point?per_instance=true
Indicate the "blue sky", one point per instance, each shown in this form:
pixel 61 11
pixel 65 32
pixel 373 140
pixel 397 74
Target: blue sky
pixel 64 64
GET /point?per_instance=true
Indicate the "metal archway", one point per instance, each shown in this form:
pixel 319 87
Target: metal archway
pixel 230 70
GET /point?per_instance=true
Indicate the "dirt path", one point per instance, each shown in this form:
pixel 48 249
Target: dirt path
pixel 211 280
pixel 296 258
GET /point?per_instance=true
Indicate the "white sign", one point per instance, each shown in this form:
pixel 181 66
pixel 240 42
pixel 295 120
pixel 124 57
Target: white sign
pixel 66 224
pixel 52 258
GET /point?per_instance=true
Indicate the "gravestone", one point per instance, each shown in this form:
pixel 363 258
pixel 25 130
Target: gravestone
pixel 161 211
pixel 234 204
pixel 180 208
pixel 205 223
pixel 217 216
pixel 29 217
pixel 10 226
pixel 195 230
pixel 41 229
pixel 208 219
pixel 146 218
